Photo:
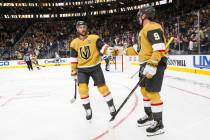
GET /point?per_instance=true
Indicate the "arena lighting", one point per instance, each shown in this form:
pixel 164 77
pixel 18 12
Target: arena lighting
pixel 102 12
pixel 49 13
pixel 78 14
pixel 51 4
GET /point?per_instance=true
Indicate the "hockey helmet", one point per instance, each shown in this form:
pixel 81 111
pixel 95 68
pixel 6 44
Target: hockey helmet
pixel 149 11
pixel 80 23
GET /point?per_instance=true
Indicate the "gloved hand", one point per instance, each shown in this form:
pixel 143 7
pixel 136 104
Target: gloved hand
pixel 74 74
pixel 149 71
pixel 112 51
pixel 115 52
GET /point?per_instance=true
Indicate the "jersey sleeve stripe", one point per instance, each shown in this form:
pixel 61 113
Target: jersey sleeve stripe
pixel 158 46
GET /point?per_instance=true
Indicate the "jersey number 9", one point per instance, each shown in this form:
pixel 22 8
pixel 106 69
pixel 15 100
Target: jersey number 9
pixel 156 36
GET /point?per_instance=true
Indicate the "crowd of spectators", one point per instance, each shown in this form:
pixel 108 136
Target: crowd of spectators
pixel 10 32
pixel 46 38
pixel 189 35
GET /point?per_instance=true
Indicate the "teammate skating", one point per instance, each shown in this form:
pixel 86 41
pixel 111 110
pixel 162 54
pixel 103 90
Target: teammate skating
pixel 85 53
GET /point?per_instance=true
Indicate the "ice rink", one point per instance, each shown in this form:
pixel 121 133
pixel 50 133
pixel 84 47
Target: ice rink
pixel 36 106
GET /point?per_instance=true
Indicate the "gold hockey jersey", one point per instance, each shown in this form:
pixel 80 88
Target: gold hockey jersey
pixel 85 53
pixel 34 58
pixel 130 51
pixel 152 43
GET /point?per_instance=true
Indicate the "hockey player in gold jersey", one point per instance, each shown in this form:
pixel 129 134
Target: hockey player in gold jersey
pixel 85 53
pixel 130 51
pixel 35 61
pixel 153 62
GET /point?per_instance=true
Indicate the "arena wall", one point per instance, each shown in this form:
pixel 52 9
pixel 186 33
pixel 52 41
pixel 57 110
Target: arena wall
pixel 42 62
pixel 199 64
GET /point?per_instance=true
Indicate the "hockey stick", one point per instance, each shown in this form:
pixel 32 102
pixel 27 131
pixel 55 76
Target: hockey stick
pixel 126 99
pixel 137 85
pixel 134 74
pixel 168 43
pixel 75 92
pixel 115 63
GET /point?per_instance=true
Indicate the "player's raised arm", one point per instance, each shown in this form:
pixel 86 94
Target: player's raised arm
pixel 106 49
pixel 102 46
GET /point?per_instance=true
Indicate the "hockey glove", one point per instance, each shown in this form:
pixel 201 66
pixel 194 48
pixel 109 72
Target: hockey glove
pixel 112 51
pixel 115 52
pixel 149 71
pixel 74 74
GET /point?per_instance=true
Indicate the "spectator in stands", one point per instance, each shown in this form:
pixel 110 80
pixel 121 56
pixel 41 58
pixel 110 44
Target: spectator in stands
pixel 51 36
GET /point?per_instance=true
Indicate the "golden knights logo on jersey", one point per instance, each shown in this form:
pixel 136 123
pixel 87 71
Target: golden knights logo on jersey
pixel 85 52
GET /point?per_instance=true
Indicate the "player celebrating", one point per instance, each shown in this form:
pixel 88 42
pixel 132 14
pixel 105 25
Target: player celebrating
pixel 153 64
pixel 85 63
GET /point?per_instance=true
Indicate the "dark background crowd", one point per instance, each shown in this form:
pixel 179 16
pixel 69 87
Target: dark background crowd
pixel 43 38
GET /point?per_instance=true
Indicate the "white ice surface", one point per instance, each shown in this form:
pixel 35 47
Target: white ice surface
pixel 36 106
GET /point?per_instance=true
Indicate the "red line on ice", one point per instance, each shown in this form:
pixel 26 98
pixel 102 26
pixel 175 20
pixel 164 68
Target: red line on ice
pixel 119 122
pixel 18 98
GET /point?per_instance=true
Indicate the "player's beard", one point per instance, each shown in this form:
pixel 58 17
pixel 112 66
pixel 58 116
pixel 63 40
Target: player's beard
pixel 83 34
pixel 141 23
pixel 140 26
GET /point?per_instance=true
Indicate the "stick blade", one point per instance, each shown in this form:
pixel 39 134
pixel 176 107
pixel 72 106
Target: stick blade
pixel 112 118
pixel 72 100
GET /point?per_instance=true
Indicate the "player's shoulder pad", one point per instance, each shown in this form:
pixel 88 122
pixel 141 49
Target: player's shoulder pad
pixel 152 26
pixel 73 42
pixel 93 36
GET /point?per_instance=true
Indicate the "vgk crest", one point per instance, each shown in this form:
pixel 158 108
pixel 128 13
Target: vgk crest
pixel 85 52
